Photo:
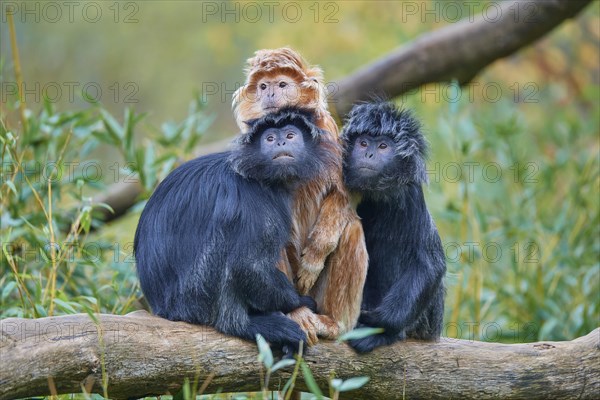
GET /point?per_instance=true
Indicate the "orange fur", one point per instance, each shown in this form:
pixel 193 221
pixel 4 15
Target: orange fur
pixel 284 61
pixel 327 255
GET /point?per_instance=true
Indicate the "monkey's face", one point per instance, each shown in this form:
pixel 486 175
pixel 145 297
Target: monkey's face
pixel 282 145
pixel 280 78
pixel 282 149
pixel 275 92
pixel 371 155
pixel 370 158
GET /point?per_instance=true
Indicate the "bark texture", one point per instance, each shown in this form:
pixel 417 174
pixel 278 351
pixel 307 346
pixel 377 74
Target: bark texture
pixel 143 355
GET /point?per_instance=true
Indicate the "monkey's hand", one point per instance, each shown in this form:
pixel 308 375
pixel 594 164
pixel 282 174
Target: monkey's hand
pixel 315 325
pixel 312 261
pixel 306 277
pixel 369 318
pixel 307 321
pixel 375 319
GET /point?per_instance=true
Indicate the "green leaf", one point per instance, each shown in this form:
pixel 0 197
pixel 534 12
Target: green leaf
pixel 149 171
pixel 129 124
pixel 63 305
pixel 92 316
pixel 104 137
pixel 41 311
pixel 310 380
pixel 113 128
pixel 288 384
pixel 86 220
pixel 167 166
pixel 171 134
pixel 454 97
pixel 44 256
pixel 281 364
pixel 105 206
pixel 353 383
pixel 359 333
pixel 11 186
pixel 264 352
pixel 336 383
pixel 185 392
pixel 91 299
pixel 8 288
pixel 138 165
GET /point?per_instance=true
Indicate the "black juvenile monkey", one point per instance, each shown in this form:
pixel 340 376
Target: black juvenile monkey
pixel 384 164
pixel 210 236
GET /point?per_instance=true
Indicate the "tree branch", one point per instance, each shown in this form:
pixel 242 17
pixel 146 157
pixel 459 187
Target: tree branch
pixel 144 355
pixel 457 51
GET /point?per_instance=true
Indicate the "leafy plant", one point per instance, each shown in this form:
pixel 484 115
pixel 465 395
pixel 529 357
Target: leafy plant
pixel 55 257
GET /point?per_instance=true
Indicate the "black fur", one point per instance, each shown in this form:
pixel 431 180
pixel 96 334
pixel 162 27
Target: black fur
pixel 404 291
pixel 210 236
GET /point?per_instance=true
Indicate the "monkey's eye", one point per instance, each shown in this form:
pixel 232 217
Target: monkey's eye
pixel 270 138
pixel 383 146
pixel 290 135
pixel 282 84
pixel 363 143
pixel 263 86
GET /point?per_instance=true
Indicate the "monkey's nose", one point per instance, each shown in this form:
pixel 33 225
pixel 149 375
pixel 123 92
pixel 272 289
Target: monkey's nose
pixel 281 144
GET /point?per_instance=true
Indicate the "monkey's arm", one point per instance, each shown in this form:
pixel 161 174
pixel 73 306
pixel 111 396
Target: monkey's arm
pixel 398 312
pixel 323 239
pixel 266 289
pixel 407 298
pixel 400 308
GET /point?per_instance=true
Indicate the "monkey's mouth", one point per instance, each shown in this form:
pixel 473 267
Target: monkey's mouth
pixel 271 109
pixel 283 156
pixel 366 171
pixel 366 168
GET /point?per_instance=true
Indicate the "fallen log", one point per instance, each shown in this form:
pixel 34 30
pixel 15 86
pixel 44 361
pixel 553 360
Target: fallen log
pixel 141 354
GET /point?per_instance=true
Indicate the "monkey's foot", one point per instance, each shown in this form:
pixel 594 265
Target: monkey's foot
pixel 328 328
pixel 315 325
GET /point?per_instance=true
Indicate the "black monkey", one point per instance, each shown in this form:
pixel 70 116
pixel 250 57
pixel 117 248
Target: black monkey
pixel 210 236
pixel 384 163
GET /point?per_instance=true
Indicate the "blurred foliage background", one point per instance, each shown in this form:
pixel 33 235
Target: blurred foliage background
pixel 514 167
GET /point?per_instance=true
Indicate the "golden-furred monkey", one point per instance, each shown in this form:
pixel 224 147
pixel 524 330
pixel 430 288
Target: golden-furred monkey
pixel 327 256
